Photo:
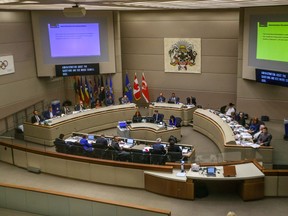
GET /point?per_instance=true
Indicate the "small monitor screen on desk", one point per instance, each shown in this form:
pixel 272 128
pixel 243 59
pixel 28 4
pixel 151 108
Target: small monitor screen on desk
pixel 90 137
pixel 211 171
pixel 130 141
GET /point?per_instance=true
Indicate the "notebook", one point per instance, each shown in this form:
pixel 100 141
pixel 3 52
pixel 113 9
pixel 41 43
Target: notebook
pixel 229 171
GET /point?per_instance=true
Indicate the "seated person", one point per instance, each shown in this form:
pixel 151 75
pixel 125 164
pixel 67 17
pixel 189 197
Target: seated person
pixel 254 126
pixel 256 135
pixel 137 117
pixel 241 119
pixel 65 109
pixel 158 117
pixel 101 142
pixel 86 145
pixel 172 121
pixel 49 113
pixel 174 99
pixel 193 101
pixel 60 140
pixel 36 118
pixel 264 138
pixel 125 100
pixel 161 98
pixel 98 104
pixel 80 106
pixel 122 155
pixel 172 147
pixel 109 101
pixel 231 109
pixel 158 148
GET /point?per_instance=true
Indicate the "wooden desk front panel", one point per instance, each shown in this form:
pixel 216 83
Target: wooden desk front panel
pixel 182 190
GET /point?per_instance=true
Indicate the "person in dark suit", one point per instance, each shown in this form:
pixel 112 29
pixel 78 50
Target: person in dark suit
pixel 80 106
pixel 158 117
pixel 65 109
pixel 109 101
pixel 102 94
pixel 36 118
pixel 161 98
pixel 49 113
pixel 172 147
pixel 158 148
pixel 122 155
pixel 101 142
pixel 137 117
pixel 264 138
pixel 174 99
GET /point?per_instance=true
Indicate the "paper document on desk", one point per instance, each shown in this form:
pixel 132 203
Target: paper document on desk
pixel 181 174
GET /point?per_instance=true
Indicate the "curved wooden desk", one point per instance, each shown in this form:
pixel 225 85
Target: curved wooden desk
pixel 151 131
pixel 178 110
pixel 87 121
pixel 222 135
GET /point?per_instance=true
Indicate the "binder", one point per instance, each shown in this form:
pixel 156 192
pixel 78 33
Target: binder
pixel 229 171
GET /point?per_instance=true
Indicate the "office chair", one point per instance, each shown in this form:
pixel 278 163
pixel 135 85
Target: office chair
pixel 193 101
pixel 174 156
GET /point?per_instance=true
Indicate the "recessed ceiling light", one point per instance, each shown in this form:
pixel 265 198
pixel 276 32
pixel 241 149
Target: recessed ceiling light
pixel 30 2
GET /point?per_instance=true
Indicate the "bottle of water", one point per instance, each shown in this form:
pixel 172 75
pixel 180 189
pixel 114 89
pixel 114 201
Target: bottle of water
pixel 182 166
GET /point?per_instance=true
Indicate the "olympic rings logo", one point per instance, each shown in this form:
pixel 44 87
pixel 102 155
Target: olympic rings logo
pixel 3 64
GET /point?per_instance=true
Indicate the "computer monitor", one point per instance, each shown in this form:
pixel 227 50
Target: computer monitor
pixel 130 141
pixel 122 124
pixel 211 171
pixel 91 137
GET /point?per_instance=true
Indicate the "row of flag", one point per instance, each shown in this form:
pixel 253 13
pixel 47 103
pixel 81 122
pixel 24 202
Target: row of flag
pixel 137 91
pixel 88 91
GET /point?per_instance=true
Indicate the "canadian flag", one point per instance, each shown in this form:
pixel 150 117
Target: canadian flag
pixel 136 89
pixel 145 91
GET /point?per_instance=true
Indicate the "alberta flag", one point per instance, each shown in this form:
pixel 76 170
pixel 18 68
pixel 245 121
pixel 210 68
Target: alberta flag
pixel 128 89
pixel 136 89
pixel 145 91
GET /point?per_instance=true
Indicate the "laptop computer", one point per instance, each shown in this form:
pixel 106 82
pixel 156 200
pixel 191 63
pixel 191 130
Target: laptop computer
pixel 90 137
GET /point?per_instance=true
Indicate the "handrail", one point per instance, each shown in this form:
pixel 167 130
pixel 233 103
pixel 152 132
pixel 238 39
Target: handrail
pixel 68 195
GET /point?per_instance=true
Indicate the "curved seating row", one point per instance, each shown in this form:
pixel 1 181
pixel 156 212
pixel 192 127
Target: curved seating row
pixel 87 121
pixel 134 156
pixel 222 135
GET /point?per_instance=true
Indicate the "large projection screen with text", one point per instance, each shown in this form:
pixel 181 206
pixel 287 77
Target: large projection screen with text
pixel 61 40
pixel 265 39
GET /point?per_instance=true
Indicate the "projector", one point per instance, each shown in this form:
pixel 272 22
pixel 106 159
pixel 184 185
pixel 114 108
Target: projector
pixel 74 12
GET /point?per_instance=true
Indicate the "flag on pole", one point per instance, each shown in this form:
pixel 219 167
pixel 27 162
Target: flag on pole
pixel 91 93
pixel 145 90
pixel 128 88
pixel 111 87
pixel 75 85
pixel 81 95
pixel 136 89
pixel 86 92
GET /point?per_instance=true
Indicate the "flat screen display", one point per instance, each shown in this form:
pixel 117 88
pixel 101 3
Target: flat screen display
pixel 77 69
pixel 272 77
pixel 74 39
pixel 268 42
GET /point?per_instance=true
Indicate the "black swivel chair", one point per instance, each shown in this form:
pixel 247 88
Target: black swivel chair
pixel 157 157
pixel 174 156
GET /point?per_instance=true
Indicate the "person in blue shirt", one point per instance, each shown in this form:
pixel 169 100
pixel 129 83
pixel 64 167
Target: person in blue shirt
pixel 86 145
pixel 172 121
